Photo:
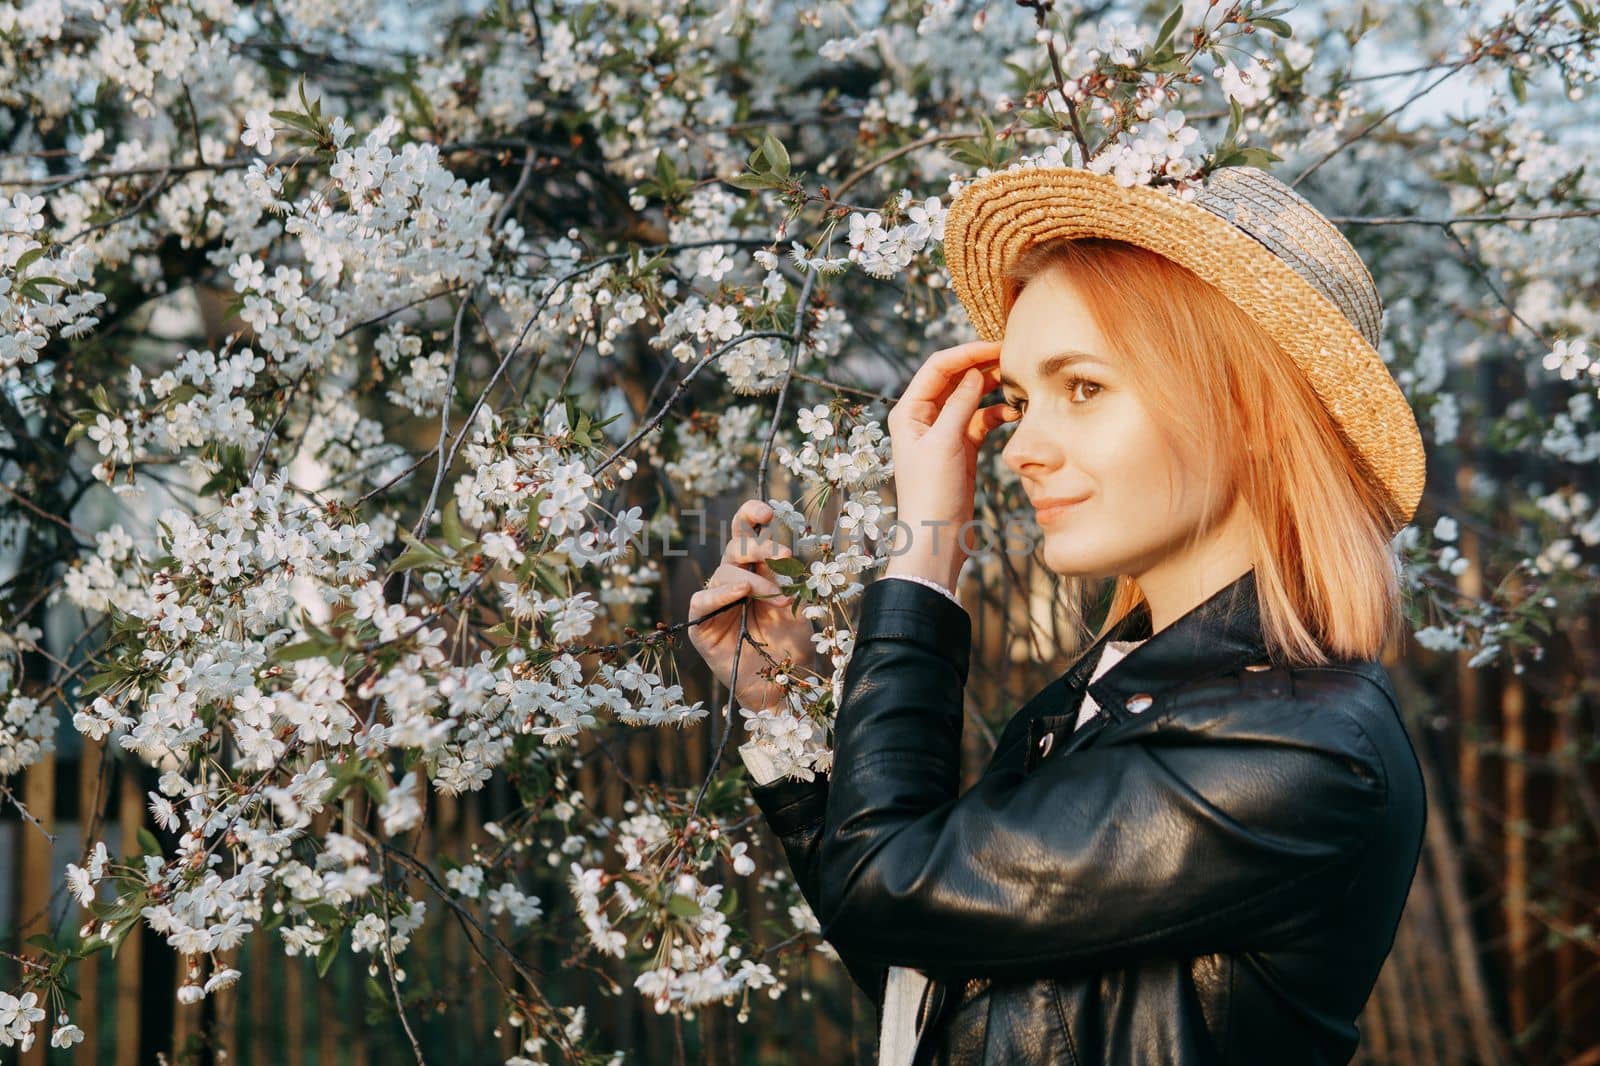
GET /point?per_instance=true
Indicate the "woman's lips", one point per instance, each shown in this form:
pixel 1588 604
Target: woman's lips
pixel 1050 512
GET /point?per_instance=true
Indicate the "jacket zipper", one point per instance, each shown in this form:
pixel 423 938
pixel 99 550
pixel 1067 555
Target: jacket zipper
pixel 922 1006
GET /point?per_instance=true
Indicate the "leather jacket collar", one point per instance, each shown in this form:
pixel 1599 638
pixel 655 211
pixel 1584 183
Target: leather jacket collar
pixel 1218 636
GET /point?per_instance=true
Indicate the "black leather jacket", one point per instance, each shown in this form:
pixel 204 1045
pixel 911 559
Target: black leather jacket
pixel 1215 878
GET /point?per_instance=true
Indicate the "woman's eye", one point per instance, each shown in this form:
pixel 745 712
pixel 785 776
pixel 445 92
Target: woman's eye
pixel 1073 383
pixel 1018 403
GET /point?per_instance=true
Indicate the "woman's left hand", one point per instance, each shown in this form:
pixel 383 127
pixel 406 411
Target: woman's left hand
pixel 935 429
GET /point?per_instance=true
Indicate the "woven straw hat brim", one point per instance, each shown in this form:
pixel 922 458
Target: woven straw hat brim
pixel 997 216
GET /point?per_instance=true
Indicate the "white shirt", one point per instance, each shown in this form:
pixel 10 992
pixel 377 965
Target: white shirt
pixel 897 1035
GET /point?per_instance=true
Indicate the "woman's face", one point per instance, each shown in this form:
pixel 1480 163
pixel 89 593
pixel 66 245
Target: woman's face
pixel 1084 434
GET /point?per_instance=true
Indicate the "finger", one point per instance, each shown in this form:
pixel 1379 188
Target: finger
pixel 751 513
pixel 962 403
pixel 744 550
pixel 717 596
pixel 938 375
pixel 744 536
pixel 757 584
pixel 927 409
pixel 986 419
pixel 930 389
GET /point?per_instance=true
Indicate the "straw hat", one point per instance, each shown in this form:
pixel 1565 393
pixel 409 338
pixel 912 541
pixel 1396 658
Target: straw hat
pixel 1252 237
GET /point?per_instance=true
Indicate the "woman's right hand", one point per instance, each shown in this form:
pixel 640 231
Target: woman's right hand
pixel 744 572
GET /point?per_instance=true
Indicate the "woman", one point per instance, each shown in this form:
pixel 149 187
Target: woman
pixel 1195 845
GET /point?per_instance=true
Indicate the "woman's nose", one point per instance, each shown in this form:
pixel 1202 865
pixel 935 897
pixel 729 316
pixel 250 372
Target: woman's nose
pixel 1029 448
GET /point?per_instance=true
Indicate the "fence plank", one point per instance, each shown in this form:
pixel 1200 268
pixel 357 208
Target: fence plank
pixel 87 1012
pixel 1444 862
pixel 293 1051
pixel 38 868
pixel 130 816
pixel 1515 900
pixel 1469 691
pixel 261 1013
pixel 185 1016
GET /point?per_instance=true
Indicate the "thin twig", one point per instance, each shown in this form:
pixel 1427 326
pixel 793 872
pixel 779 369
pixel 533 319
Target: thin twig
pixel 1459 220
pixel 1381 119
pixel 27 814
pixel 47 516
pixel 889 157
pixel 836 387
pixel 683 383
pixel 388 958
pixel 1484 274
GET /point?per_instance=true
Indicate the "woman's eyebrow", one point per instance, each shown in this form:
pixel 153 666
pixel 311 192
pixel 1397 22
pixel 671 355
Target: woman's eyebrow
pixel 1056 363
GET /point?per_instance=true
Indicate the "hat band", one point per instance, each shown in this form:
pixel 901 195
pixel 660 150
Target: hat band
pixel 1290 228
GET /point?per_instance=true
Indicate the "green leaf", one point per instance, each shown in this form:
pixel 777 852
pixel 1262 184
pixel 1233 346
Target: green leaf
pixel 46 279
pixel 295 119
pixel 103 679
pixel 411 540
pixel 549 577
pixel 451 520
pixel 313 107
pixel 148 842
pixel 788 567
pixel 965 152
pixel 1168 27
pixel 730 900
pixel 1277 26
pixel 683 906
pixel 411 558
pixel 776 154
pixel 1519 84
pixel 1257 157
pixel 119 933
pixel 1166 65
pixel 305 649
pixel 324 914
pixel 28 258
pixel 666 171
pixel 754 181
pixel 420 99
pixel 43 940
pixel 328 952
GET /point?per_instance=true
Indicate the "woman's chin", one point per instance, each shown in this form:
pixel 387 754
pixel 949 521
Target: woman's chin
pixel 1067 557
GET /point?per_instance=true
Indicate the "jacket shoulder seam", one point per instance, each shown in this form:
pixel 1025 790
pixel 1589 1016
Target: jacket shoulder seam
pixel 1385 793
pixel 1360 728
pixel 1176 702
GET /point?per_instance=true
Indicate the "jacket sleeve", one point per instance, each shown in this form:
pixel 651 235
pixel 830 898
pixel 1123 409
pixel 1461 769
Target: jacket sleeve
pixel 794 810
pixel 1177 845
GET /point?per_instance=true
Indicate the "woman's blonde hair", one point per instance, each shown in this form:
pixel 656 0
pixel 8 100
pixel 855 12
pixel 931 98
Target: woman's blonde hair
pixel 1222 389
